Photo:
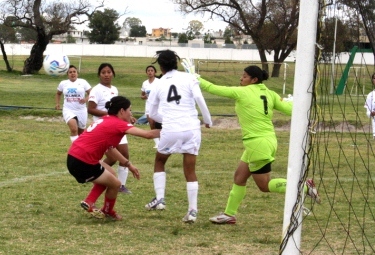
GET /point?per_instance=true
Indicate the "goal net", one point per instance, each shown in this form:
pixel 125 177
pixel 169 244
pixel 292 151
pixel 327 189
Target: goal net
pixel 340 157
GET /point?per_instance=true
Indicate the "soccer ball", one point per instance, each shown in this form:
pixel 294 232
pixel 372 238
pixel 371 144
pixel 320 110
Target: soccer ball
pixel 56 64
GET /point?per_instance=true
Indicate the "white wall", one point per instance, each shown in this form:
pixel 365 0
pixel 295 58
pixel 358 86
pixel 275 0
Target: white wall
pixel 150 51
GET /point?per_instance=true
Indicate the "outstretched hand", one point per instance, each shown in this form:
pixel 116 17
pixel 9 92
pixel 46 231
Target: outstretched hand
pixel 134 171
pixel 189 66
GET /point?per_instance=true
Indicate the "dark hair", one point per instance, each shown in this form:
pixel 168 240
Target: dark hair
pixel 72 66
pixel 116 103
pixel 373 76
pixel 106 65
pixel 151 66
pixel 256 72
pixel 167 60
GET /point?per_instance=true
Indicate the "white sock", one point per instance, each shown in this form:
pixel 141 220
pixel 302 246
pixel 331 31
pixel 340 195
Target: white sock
pixel 156 140
pixel 160 179
pixel 122 174
pixel 192 193
pixel 73 138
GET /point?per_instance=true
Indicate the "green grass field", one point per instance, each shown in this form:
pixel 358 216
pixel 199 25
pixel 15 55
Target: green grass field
pixel 41 212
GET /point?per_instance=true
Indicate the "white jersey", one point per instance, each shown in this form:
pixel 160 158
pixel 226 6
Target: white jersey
pixel 147 87
pixel 370 107
pixel 100 95
pixel 175 96
pixel 73 92
pixel 370 101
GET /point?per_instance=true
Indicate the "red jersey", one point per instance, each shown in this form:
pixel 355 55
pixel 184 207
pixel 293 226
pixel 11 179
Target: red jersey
pixel 103 134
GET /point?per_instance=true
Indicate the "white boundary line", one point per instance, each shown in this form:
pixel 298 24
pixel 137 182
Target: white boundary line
pixel 27 178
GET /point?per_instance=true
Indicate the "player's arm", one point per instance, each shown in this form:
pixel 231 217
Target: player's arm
pixel 204 110
pixel 153 111
pixel 199 99
pixel 148 134
pixel 224 91
pixel 143 95
pixel 285 107
pixel 91 108
pixel 86 98
pixel 115 154
pixel 57 99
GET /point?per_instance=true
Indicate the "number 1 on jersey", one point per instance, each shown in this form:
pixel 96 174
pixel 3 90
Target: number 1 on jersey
pixel 265 104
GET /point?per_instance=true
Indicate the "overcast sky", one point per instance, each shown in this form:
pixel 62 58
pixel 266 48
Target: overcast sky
pixel 159 13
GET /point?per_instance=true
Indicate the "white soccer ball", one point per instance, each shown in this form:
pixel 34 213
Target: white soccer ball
pixel 56 64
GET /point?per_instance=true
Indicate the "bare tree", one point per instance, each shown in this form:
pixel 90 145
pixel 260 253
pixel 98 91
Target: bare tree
pixel 47 20
pixel 366 9
pixel 272 24
pixel 7 34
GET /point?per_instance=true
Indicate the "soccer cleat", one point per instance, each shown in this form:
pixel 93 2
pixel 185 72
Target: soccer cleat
pixel 156 204
pixel 124 190
pixel 113 215
pixel 91 209
pixel 312 191
pixel 223 219
pixel 190 217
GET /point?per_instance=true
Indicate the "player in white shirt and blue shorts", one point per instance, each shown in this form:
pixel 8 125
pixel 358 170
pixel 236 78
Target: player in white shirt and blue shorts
pixel 74 109
pixel 99 95
pixel 176 96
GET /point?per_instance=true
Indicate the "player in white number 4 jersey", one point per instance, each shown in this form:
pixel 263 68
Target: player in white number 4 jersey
pixel 172 102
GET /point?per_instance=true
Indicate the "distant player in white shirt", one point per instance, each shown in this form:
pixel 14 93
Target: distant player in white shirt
pixel 74 108
pixel 176 96
pixel 99 95
pixel 370 105
pixel 147 86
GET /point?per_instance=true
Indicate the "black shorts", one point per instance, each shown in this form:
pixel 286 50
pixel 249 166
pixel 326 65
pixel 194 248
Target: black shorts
pixel 157 125
pixel 82 171
pixel 263 170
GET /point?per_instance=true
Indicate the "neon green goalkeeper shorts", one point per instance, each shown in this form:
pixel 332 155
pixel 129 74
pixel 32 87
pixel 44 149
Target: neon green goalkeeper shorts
pixel 259 152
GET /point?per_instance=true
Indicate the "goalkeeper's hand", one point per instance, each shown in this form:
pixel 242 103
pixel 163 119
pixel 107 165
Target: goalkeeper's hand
pixel 288 99
pixel 189 66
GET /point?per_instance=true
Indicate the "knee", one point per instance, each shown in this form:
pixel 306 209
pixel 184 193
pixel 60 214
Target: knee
pixel 240 180
pixel 73 131
pixel 117 184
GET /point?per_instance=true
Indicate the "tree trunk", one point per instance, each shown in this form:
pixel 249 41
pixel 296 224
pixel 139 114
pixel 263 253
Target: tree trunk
pixel 263 59
pixel 5 57
pixel 279 57
pixel 34 62
pixel 276 69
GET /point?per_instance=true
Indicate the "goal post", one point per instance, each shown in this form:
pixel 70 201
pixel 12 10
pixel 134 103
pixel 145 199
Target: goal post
pixel 304 76
pixel 79 61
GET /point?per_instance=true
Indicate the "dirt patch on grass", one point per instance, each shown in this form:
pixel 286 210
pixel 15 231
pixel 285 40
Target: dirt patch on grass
pixel 232 123
pixel 37 118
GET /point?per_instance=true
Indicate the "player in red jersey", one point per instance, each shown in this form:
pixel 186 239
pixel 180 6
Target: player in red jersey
pixel 102 137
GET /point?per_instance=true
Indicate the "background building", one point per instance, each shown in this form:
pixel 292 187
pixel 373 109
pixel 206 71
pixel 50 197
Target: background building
pixel 159 32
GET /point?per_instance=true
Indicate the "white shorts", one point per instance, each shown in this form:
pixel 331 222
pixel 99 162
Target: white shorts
pixel 81 117
pixel 180 142
pixel 124 140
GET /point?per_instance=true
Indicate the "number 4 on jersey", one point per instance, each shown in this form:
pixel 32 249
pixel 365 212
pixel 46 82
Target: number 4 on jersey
pixel 173 95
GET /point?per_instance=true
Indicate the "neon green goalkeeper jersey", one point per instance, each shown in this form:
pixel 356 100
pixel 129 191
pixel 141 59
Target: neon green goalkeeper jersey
pixel 254 106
